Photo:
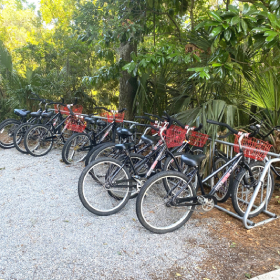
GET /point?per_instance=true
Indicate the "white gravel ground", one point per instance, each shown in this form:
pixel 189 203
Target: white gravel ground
pixel 46 233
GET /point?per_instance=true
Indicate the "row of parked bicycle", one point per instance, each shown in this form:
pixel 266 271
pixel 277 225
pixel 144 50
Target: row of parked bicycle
pixel 162 170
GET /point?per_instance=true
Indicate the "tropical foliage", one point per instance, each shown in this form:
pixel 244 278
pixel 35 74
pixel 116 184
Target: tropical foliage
pixel 196 59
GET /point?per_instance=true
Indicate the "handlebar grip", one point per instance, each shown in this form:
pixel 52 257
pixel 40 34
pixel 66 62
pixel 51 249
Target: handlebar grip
pixel 225 136
pixel 223 124
pixel 122 110
pixel 144 117
pixel 75 102
pixel 199 127
pixel 155 116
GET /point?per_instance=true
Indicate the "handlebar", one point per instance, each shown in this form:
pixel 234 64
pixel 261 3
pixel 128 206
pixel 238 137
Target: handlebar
pixel 155 116
pixel 145 117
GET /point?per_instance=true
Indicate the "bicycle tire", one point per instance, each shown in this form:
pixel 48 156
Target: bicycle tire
pixel 105 150
pixel 18 137
pixel 72 151
pixel 7 130
pixel 89 157
pixel 38 140
pixel 91 178
pixel 154 192
pixel 224 192
pixel 242 193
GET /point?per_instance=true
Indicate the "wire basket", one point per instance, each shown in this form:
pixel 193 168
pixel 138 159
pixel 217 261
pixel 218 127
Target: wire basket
pixel 198 139
pixel 174 136
pixel 252 147
pixel 77 109
pixel 75 125
pixel 118 117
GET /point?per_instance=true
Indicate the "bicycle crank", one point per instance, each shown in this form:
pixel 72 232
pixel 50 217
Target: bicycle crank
pixel 207 202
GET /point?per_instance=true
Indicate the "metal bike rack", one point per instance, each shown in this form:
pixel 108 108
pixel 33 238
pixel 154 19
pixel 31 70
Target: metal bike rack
pixel 248 224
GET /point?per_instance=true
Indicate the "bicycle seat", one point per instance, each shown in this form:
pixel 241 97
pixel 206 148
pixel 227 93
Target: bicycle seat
pixel 101 123
pixel 151 140
pixel 90 120
pixel 124 132
pixel 123 147
pixel 47 114
pixel 193 160
pixel 21 113
pixel 36 114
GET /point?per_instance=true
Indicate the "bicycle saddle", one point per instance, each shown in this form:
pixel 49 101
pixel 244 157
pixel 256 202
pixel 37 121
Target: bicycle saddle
pixel 101 122
pixel 36 114
pixel 124 132
pixel 47 114
pixel 193 160
pixel 90 120
pixel 21 113
pixel 151 140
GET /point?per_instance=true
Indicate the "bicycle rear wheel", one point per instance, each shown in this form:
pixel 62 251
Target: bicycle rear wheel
pixel 7 130
pixel 152 207
pixel 99 189
pixel 38 140
pixel 244 186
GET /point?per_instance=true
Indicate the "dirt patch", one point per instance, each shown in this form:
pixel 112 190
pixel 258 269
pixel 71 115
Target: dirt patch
pixel 249 253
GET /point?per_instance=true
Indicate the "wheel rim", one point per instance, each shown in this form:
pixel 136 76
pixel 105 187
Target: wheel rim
pixel 77 151
pixel 39 140
pixel 154 209
pixel 244 192
pixel 7 134
pixel 98 186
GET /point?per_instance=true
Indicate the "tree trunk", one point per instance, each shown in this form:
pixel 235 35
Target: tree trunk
pixel 128 84
pixel 191 15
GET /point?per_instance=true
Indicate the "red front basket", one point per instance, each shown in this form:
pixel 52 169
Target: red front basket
pixel 75 125
pixel 198 139
pixel 175 136
pixel 252 147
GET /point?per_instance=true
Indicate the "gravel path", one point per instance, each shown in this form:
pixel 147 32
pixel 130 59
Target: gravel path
pixel 46 233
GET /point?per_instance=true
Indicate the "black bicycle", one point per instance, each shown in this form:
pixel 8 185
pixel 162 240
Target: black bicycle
pixel 79 145
pixel 161 210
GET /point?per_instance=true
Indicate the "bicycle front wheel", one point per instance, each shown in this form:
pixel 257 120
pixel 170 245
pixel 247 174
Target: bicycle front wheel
pixel 104 187
pixel 38 140
pixel 76 148
pixel 153 207
pixel 19 136
pixel 244 187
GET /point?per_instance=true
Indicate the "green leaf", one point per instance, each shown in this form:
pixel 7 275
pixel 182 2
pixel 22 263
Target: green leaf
pixel 203 74
pixel 215 16
pixel 227 34
pixel 235 20
pixel 260 29
pixel 274 4
pixel 196 69
pixel 201 24
pixel 271 33
pixel 248 275
pixel 269 38
pixel 197 58
pixel 215 31
pixel 244 26
pixel 225 25
pixel 211 23
pixel 246 9
pixel 216 65
pixel 233 9
pixel 273 20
